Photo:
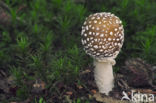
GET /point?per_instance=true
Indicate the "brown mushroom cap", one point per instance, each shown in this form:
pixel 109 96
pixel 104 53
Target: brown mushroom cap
pixel 102 35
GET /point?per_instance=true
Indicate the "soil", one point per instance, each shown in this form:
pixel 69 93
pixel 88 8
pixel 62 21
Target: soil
pixel 86 90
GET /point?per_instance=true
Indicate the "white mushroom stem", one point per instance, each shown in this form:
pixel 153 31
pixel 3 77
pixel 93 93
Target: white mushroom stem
pixel 103 74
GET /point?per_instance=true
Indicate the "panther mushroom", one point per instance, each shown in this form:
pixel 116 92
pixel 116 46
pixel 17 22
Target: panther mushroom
pixel 102 38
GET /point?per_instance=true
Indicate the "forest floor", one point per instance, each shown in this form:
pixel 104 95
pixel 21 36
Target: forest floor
pixel 88 90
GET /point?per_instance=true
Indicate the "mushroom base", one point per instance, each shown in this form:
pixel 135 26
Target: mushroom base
pixel 104 78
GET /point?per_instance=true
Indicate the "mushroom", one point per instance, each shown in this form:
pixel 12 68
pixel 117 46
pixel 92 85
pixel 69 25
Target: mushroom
pixel 102 38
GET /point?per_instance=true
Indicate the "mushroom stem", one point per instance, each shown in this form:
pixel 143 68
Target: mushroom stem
pixel 103 74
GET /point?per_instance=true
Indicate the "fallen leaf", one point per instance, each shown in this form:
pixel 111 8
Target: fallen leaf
pixel 93 91
pixel 42 85
pixel 69 93
pixel 79 86
pixel 38 86
pixel 86 71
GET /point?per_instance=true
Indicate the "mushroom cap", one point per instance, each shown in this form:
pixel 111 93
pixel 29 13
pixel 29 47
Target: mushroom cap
pixel 102 35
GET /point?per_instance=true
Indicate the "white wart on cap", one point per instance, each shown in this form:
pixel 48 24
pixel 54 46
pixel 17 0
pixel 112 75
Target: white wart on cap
pixel 102 35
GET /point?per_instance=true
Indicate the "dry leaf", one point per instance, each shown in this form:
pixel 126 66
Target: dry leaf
pixel 69 93
pixel 42 85
pixel 39 84
pixel 93 91
pixel 80 87
pixel 86 71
